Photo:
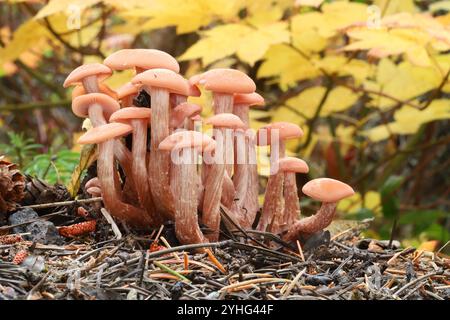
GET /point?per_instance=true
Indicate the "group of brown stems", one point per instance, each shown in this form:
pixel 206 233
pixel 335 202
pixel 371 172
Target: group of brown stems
pixel 157 189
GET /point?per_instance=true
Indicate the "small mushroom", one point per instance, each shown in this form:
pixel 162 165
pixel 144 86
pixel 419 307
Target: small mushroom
pixel 187 144
pixel 329 192
pixel 104 136
pixel 93 187
pixel 224 83
pixel 99 107
pixel 138 118
pixel 160 83
pixel 275 134
pixel 223 124
pixel 291 212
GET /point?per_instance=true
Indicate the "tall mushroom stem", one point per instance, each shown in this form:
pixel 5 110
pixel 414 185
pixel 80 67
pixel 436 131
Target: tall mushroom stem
pixel 213 192
pixel 223 103
pixel 314 223
pixel 139 167
pixel 158 168
pixel 273 199
pixel 185 187
pixel 106 173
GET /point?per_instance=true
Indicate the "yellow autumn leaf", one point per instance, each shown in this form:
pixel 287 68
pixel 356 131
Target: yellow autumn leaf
pixel 404 82
pixel 408 120
pixel 389 7
pixel 440 5
pixel 248 43
pixel 382 43
pixel 342 66
pixel 431 246
pixel 337 15
pixel 287 64
pixel 308 101
pixel 305 32
pixel 371 201
pixel 187 16
pixel 63 6
pixel 29 34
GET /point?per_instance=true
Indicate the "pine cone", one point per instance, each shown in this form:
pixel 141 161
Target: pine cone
pixel 12 185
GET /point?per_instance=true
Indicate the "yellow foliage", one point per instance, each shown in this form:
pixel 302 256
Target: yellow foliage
pixel 371 201
pixel 287 64
pixel 62 6
pixel 187 16
pixel 404 81
pixel 248 43
pixel 408 120
pixel 308 101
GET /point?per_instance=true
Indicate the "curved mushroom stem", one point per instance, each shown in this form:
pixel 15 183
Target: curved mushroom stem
pixel 139 168
pixel 158 168
pixel 186 202
pixel 310 225
pixel 106 174
pixel 122 154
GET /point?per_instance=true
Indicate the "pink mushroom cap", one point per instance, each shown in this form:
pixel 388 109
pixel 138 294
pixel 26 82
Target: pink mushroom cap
pixel 91 69
pixel 81 104
pixel 79 91
pixel 128 89
pixel 141 58
pixel 290 164
pixel 183 111
pixel 327 190
pixel 130 113
pixel 187 139
pixel 286 131
pixel 164 79
pixel 224 81
pixel 105 132
pixel 226 120
pixel 249 99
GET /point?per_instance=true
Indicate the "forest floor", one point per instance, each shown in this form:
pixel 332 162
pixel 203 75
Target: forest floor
pixel 117 263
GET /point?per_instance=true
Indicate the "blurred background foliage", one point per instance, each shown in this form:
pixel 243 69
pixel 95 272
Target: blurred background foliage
pixel 368 81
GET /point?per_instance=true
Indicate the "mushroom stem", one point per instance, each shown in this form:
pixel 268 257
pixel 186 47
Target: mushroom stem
pixel 106 174
pixel 314 223
pixel 96 116
pixel 213 189
pixel 291 200
pixel 158 168
pixel 273 202
pixel 186 202
pixel 90 84
pixel 139 168
pixel 223 103
pixel 245 176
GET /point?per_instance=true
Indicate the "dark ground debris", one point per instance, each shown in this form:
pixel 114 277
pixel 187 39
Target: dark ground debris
pixel 102 266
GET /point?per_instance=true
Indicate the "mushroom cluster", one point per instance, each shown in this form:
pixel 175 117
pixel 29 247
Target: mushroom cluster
pixel 172 171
